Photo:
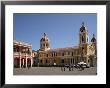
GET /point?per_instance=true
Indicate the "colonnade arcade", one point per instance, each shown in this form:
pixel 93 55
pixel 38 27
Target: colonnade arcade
pixel 22 62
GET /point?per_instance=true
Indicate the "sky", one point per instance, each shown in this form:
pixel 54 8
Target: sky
pixel 61 28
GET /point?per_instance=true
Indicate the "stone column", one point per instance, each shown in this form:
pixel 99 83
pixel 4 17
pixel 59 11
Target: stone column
pixel 20 61
pixel 26 61
pixel 23 61
pixel 74 60
pixel 31 61
pixel 31 57
pixel 26 56
pixel 20 56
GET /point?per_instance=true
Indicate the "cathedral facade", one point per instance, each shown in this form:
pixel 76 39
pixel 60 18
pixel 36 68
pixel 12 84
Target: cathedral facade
pixel 85 51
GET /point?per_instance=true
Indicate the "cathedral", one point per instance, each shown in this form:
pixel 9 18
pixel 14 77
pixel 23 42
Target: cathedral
pixel 85 51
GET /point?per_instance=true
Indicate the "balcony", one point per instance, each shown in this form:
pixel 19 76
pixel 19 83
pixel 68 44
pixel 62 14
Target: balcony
pixel 22 54
pixel 16 53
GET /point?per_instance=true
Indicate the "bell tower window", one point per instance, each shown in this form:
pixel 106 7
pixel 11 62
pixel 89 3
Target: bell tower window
pixel 82 39
pixel 87 39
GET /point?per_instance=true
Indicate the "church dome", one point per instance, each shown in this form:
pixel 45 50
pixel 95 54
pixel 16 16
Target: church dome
pixel 93 39
pixel 44 38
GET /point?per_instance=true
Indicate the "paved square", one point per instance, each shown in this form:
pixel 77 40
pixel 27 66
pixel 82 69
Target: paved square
pixel 54 71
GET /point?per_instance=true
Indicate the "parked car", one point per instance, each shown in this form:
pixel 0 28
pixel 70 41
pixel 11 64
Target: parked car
pixel 83 64
pixel 77 66
pixel 72 65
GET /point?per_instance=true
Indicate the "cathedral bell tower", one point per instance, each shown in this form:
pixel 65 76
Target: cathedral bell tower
pixel 83 41
pixel 44 43
pixel 93 41
pixel 83 34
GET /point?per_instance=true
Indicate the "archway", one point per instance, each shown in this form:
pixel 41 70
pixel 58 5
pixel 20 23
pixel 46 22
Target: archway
pixel 62 61
pixel 90 61
pixel 16 62
pixel 23 62
pixel 28 62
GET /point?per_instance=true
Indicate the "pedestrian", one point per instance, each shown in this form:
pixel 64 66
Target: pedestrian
pixel 22 66
pixel 82 67
pixel 61 68
pixel 64 68
pixel 72 68
pixel 69 68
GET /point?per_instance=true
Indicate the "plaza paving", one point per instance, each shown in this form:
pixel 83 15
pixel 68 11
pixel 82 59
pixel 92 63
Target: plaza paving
pixel 54 71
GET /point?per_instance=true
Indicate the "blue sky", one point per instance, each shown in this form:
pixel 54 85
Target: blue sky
pixel 61 28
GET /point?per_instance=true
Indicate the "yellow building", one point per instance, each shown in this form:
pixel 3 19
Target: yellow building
pixel 85 51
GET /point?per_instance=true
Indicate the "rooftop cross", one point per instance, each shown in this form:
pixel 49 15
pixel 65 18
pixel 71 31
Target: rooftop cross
pixel 44 34
pixel 82 23
pixel 93 35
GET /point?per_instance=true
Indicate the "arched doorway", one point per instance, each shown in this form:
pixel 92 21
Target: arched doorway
pixel 91 62
pixel 28 62
pixel 16 62
pixel 46 62
pixel 23 62
pixel 62 61
pixel 91 58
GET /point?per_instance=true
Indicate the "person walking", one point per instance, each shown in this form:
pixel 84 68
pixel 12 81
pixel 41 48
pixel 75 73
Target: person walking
pixel 72 68
pixel 69 68
pixel 61 68
pixel 21 66
pixel 82 68
pixel 64 68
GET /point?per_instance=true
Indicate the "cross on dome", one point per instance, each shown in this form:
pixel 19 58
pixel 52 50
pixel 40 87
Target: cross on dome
pixel 82 23
pixel 45 34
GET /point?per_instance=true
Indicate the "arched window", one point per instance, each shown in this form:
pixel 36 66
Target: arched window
pixel 62 61
pixel 62 54
pixel 40 61
pixel 72 53
pixel 71 60
pixel 87 39
pixel 47 55
pixel 46 61
pixel 14 49
pixel 82 39
pixel 47 45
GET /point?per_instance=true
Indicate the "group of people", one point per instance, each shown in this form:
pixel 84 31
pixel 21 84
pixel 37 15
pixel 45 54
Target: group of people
pixel 70 68
pixel 63 68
